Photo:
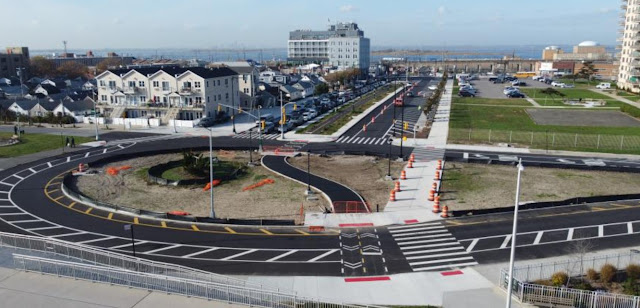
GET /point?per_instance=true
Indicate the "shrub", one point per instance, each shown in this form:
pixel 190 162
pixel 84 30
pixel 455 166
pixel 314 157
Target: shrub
pixel 630 287
pixel 583 286
pixel 543 282
pixel 559 279
pixel 633 271
pixel 607 272
pixel 592 275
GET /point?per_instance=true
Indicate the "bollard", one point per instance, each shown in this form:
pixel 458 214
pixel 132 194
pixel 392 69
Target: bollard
pixel 373 119
pixel 397 188
pixel 439 167
pixel 364 128
pixel 436 205
pixel 403 175
pixel 445 212
pixel 434 186
pixel 410 165
pixel 437 177
pixel 431 195
pixel 392 195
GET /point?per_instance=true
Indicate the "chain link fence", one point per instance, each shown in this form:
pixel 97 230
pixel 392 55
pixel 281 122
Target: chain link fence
pixel 547 140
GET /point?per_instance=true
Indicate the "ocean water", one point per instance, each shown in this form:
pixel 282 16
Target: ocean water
pixel 269 54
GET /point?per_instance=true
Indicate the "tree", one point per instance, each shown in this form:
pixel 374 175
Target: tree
pixel 41 66
pixel 587 70
pixel 107 64
pixel 73 70
pixel 321 88
pixel 551 92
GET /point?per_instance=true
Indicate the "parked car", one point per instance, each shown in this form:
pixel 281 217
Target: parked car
pixel 492 79
pixel 310 114
pixel 604 85
pixel 564 85
pixel 558 84
pixel 510 89
pixel 499 80
pixel 518 83
pixel 537 77
pixel 206 122
pixel 466 94
pixel 433 87
pixel 286 127
pixel 515 94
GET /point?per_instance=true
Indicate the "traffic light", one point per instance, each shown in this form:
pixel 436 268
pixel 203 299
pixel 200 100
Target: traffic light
pixel 262 124
pixel 219 108
pixel 295 106
pixel 404 138
pixel 406 125
pixel 240 110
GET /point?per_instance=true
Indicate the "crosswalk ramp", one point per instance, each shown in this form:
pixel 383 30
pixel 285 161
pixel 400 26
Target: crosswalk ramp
pixel 362 140
pixel 430 247
pixel 254 135
pixel 422 154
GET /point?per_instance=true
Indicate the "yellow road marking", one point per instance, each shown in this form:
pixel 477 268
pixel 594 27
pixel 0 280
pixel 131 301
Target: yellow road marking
pixel 362 260
pixel 110 216
pixel 195 228
pixel 596 209
pixel 364 269
pixel 54 190
pixel 164 224
pixel 266 231
pixel 135 220
pixel 56 199
pixel 361 252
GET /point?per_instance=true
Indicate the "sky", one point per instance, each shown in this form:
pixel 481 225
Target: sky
pixel 44 24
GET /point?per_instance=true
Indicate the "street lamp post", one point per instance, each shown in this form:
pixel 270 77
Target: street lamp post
pixel 388 177
pixel 250 146
pixel 402 127
pixel 233 103
pixel 212 214
pixel 309 192
pixel 259 129
pixel 282 116
pixel 95 118
pixel 513 236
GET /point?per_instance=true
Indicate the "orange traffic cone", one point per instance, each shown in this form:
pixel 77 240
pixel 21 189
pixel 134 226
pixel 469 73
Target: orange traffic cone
pixel 439 167
pixel 436 205
pixel 431 195
pixel 445 212
pixel 397 188
pixel 434 186
pixel 412 158
pixel 364 128
pixel 410 164
pixel 392 195
pixel 403 175
pixel 437 177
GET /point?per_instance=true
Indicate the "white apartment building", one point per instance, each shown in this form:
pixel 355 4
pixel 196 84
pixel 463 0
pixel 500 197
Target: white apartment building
pixel 342 46
pixel 629 56
pixel 167 93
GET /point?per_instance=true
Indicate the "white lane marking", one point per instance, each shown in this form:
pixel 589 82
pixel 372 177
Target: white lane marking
pixel 45 228
pixel 399 236
pixel 432 250
pixel 49 164
pixel 19 177
pixel 570 234
pixel 68 158
pixel 506 241
pixel 423 237
pixel 87 154
pixel 67 234
pixel 538 238
pixel 473 244
pixel 200 252
pixel 32 170
pixel 323 255
pixel 23 221
pixel 429 246
pixel 629 228
pixel 161 249
pixel 394 232
pixel 441 261
pixel 438 256
pixel 105 151
pixel 339 138
pixel 350 139
pixel 282 255
pixel 240 254
pixel 600 231
pixel 444 266
pixel 120 146
pixel 96 240
pixel 14 214
pixel 4 183
pixel 125 245
pixel 414 225
pixel 426 241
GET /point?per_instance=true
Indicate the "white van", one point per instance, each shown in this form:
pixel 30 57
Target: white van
pixel 604 85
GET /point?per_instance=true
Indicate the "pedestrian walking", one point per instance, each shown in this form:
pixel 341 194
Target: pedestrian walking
pixel 67 142
pixel 15 130
pixel 73 142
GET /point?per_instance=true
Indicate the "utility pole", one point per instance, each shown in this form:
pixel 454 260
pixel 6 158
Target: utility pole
pixel 233 103
pixel 513 236
pixel 212 214
pixel 282 116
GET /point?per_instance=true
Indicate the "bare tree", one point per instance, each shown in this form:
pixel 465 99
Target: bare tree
pixel 578 250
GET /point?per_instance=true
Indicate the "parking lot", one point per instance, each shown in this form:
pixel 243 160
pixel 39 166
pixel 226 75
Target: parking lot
pixel 582 118
pixel 487 89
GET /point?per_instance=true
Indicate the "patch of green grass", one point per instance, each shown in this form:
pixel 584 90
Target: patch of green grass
pixel 259 177
pixel 569 94
pixel 33 143
pixel 220 170
pixel 142 173
pixel 569 174
pixel 492 101
pixel 457 179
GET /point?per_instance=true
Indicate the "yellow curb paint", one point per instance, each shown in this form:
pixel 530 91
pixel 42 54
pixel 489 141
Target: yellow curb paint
pixel 164 224
pixel 72 204
pixel 230 230
pixel 110 216
pixel 302 232
pixel 195 228
pixel 266 231
pixel 135 220
pixel 88 210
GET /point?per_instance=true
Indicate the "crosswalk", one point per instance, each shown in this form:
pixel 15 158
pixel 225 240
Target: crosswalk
pixel 430 247
pixel 362 140
pixel 254 135
pixel 422 154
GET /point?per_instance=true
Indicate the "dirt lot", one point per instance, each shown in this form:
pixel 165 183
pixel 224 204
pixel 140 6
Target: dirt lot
pixel 280 200
pixel 364 174
pixel 477 186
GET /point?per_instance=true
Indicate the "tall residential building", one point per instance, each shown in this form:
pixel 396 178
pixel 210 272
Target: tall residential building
pixel 342 46
pixel 629 57
pixel 14 59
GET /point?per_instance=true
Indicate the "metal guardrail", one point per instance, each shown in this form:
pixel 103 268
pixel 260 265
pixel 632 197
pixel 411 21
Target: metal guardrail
pixel 207 290
pixel 95 256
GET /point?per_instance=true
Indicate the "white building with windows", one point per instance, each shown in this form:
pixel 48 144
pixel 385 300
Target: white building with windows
pixel 629 56
pixel 342 46
pixel 188 93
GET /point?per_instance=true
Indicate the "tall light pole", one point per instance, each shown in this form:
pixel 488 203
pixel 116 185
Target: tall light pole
pixel 233 103
pixel 212 214
pixel 282 116
pixel 259 129
pixel 388 177
pixel 513 236
pixel 95 118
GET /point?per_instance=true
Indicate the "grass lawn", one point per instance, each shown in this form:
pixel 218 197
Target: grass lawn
pixel 492 101
pixel 464 116
pixel 33 143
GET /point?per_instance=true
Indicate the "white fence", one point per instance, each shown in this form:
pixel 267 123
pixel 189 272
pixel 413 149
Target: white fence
pixel 128 122
pixel 192 288
pixel 183 123
pixel 90 120
pixel 560 296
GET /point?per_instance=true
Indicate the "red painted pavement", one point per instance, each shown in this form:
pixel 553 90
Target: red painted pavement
pixel 452 273
pixel 366 279
pixel 411 221
pixel 364 224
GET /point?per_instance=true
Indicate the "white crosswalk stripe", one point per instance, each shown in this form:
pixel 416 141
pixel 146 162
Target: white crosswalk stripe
pixel 361 140
pixel 430 247
pixel 427 154
pixel 256 136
